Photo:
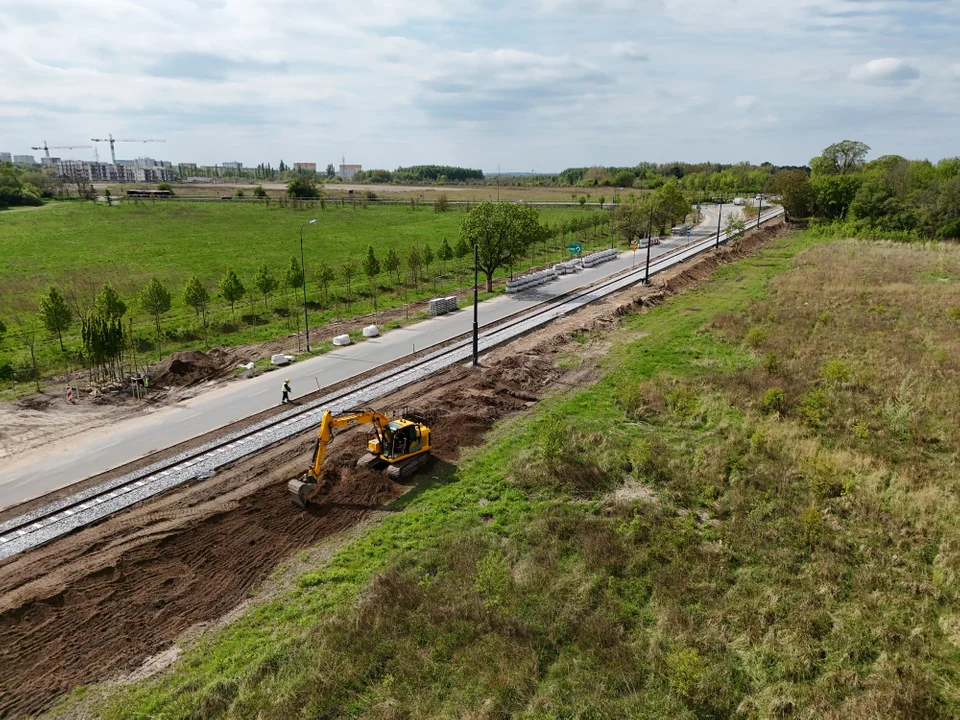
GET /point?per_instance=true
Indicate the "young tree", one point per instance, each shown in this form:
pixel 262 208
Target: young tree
pixel 415 264
pixel 392 263
pixel 502 232
pixel 259 192
pixel 109 303
pixel 155 299
pixel 428 257
pixel 231 288
pixel 734 228
pixel 444 255
pixel 348 269
pixel 27 331
pixel 293 280
pixel 331 170
pixel 55 313
pixel 323 276
pixel 265 283
pixel 196 295
pixel 371 268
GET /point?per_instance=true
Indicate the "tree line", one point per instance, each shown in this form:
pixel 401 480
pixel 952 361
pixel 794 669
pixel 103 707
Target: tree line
pixel 104 337
pixel 890 195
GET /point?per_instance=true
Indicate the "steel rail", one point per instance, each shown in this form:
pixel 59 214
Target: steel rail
pixel 86 507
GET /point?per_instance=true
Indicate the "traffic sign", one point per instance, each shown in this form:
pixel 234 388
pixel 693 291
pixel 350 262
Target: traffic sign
pixel 575 248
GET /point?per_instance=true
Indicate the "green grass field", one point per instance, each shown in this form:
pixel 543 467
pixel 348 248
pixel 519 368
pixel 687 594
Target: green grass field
pixel 87 245
pixel 794 552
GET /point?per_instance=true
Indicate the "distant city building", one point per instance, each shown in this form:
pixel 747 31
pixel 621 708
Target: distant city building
pixel 105 172
pixel 307 167
pixel 200 179
pixel 235 165
pixel 188 166
pixel 348 172
pixel 24 160
pixel 49 161
pixel 6 157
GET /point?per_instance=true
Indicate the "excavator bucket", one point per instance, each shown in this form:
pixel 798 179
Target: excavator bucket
pixel 299 491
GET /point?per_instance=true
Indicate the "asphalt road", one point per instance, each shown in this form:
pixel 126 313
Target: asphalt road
pixel 90 453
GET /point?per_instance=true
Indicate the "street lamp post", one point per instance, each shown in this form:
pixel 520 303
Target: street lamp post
pixel 303 278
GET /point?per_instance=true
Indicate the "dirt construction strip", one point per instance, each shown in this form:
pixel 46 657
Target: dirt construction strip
pixel 93 605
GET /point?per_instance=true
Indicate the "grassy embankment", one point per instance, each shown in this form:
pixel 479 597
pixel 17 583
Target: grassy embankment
pixel 86 245
pixel 753 513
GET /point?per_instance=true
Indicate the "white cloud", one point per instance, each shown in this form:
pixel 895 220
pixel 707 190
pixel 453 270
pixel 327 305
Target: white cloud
pixel 954 71
pixel 630 51
pixel 745 102
pixel 884 71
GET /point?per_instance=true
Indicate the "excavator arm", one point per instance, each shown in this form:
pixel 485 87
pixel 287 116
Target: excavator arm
pixel 330 422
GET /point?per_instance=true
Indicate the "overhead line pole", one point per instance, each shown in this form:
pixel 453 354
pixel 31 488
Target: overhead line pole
pixel 303 278
pixel 476 302
pixel 646 272
pixel 719 217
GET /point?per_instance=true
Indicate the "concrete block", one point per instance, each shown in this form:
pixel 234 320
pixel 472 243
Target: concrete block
pixel 371 331
pixel 341 340
pixel 279 360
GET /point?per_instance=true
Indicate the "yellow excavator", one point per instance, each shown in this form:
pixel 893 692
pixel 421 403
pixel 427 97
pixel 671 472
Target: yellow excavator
pixel 400 447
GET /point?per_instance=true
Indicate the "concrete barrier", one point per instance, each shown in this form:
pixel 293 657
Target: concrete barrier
pixel 371 331
pixel 341 340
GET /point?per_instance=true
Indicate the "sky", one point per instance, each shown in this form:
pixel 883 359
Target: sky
pixel 531 85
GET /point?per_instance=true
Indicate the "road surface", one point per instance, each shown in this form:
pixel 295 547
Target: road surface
pixel 58 464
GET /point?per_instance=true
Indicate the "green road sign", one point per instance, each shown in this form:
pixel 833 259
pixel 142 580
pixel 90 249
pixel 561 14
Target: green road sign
pixel 575 248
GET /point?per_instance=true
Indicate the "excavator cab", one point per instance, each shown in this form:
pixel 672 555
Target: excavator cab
pixel 399 447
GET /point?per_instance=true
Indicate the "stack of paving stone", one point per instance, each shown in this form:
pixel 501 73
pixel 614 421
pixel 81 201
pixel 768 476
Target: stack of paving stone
pixel 600 257
pixel 526 282
pixel 563 268
pixel 440 306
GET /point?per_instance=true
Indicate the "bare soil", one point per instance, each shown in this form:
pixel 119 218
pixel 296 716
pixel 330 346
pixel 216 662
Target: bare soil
pixel 94 605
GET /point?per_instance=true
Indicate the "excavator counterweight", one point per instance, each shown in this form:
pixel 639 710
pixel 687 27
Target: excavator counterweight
pixel 399 449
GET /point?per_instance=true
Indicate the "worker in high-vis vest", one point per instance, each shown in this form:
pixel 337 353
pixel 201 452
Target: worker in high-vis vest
pixel 286 391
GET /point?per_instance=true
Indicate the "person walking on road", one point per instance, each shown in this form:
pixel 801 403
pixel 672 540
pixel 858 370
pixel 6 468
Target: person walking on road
pixel 286 391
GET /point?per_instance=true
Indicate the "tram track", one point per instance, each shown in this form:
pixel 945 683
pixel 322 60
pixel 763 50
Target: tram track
pixel 94 504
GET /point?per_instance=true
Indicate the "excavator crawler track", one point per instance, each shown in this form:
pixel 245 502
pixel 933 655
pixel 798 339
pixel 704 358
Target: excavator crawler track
pixel 405 468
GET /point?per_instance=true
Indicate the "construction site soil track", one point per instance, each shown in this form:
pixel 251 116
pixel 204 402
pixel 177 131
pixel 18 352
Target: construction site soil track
pixel 93 605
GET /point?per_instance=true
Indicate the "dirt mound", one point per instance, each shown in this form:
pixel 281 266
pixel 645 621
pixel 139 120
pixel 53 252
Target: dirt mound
pixel 191 366
pixel 189 565
pixel 34 402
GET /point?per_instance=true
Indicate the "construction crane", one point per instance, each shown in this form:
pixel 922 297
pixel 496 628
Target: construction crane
pixel 110 139
pixel 46 149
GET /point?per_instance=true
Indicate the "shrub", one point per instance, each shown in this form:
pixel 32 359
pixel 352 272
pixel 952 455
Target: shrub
pixel 771 363
pixel 772 400
pixel 811 524
pixel 824 476
pixel 685 667
pixel 642 400
pixel 954 313
pixel 813 407
pixel 837 372
pixel 755 337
